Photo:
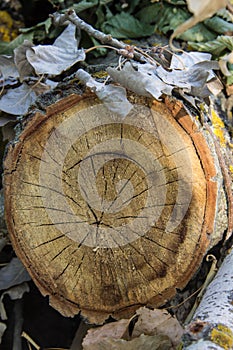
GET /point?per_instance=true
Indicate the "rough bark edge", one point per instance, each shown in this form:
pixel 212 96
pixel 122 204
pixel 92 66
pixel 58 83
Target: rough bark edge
pixel 206 150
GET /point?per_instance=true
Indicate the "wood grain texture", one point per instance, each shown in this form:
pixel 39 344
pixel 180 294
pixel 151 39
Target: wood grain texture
pixel 108 215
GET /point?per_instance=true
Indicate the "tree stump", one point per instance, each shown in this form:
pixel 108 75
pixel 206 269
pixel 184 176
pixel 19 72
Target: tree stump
pixel 109 214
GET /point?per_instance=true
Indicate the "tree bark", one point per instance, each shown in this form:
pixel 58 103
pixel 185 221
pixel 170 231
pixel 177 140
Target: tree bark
pixel 212 323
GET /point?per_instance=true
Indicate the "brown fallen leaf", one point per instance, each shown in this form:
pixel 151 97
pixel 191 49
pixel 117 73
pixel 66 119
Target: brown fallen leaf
pixel 148 329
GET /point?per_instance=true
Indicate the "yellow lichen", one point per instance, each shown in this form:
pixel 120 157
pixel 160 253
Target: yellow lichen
pixel 231 169
pixel 8 27
pixel 218 126
pixel 222 336
pixel 101 74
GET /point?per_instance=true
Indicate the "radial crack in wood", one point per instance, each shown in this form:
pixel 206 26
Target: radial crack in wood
pixel 108 215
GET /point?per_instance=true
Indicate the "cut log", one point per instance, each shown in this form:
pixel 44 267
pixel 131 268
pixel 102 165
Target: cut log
pixel 109 215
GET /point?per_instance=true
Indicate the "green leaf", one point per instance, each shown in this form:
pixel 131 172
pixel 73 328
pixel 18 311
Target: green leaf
pixel 84 5
pixel 215 47
pixel 46 24
pixel 230 78
pixel 219 25
pixel 150 14
pixel 123 26
pixel 225 14
pixel 198 33
pixel 100 51
pixel 8 48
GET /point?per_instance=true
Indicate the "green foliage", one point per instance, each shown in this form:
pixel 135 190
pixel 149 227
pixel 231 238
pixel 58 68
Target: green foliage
pixel 8 48
pixel 85 4
pixel 124 25
pixel 217 47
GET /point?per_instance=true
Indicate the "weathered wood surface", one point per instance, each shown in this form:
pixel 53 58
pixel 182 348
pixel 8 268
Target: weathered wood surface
pixel 108 215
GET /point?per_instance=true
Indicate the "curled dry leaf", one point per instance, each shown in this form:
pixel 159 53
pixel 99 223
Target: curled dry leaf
pixel 25 69
pixel 201 10
pixel 114 97
pixel 8 68
pixel 2 330
pixel 192 80
pixel 56 58
pixel 158 321
pixel 14 293
pixel 140 80
pixel 186 60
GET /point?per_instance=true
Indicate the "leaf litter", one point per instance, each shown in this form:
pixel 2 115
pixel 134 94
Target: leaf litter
pixel 190 73
pixel 148 329
pixel 148 79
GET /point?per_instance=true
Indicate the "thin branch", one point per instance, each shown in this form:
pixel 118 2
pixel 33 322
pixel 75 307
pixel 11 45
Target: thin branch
pixel 18 313
pixel 105 39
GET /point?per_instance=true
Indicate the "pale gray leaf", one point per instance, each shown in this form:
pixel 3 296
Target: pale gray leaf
pixel 17 292
pixel 2 330
pixel 12 274
pixel 17 101
pixel 24 67
pixel 113 97
pixel 67 39
pixel 5 120
pixel 8 68
pixel 56 58
pixel 188 59
pixel 141 80
pixel 192 80
pixel 14 293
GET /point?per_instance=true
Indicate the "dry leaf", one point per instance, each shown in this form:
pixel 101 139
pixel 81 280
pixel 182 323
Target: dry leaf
pixel 56 58
pixel 144 342
pixel 12 274
pixel 14 293
pixel 2 330
pixel 141 80
pixel 113 97
pixel 8 68
pixel 17 101
pixel 152 322
pixel 201 10
pixel 152 329
pixel 24 67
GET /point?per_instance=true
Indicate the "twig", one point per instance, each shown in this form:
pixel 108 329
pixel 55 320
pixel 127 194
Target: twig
pixel 29 339
pixel 105 39
pixel 18 325
pixel 209 278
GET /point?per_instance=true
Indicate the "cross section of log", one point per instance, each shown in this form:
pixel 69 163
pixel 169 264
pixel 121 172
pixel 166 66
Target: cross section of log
pixel 108 215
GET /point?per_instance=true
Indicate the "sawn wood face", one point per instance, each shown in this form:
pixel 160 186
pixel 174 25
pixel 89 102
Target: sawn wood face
pixel 108 214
